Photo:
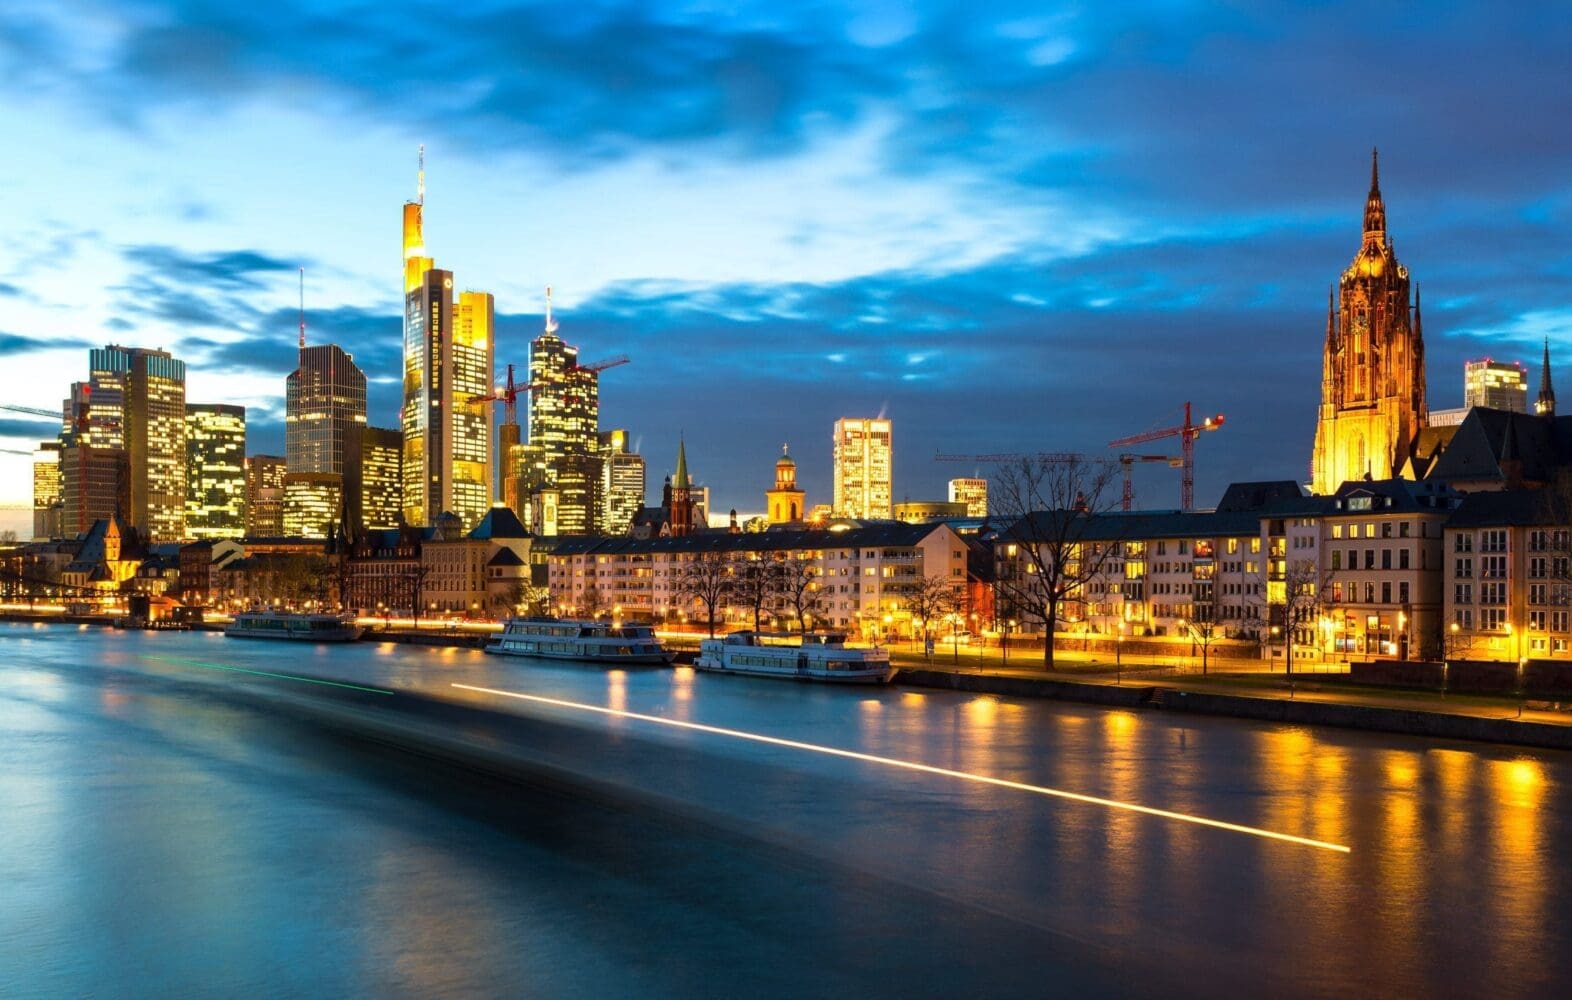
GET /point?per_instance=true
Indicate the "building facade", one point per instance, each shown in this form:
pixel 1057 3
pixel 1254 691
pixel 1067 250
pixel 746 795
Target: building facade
pixel 47 488
pixel 1500 385
pixel 265 496
pixel 620 496
pixel 564 415
pixel 1373 367
pixel 864 462
pixel 972 492
pixel 151 386
pixel 381 479
pixel 325 419
pixel 313 504
pixel 215 470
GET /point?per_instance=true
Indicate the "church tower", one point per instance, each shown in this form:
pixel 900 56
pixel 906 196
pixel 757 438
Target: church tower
pixel 785 502
pixel 683 519
pixel 1545 405
pixel 1373 368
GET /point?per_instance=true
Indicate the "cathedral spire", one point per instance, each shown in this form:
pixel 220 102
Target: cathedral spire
pixel 1419 323
pixel 1375 208
pixel 1331 317
pixel 1545 405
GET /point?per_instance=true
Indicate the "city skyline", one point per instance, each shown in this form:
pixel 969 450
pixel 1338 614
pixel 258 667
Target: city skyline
pixel 841 250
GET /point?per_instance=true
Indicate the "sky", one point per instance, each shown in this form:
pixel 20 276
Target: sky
pixel 1008 227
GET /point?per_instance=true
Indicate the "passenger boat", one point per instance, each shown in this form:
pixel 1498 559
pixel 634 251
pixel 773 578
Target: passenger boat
pixel 283 625
pixel 592 642
pixel 811 656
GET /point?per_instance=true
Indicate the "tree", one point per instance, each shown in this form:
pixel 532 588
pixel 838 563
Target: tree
pixel 706 579
pixel 930 599
pixel 1305 596
pixel 415 576
pixel 1048 552
pixel 510 597
pixel 591 603
pixel 755 581
pixel 1203 631
pixel 799 587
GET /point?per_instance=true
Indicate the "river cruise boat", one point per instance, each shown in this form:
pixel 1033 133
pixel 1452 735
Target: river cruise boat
pixel 283 625
pixel 811 656
pixel 589 642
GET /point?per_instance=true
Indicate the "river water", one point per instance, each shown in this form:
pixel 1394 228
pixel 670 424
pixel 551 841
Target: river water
pixel 159 835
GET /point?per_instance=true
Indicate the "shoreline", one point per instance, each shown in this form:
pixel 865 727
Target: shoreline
pixel 1157 697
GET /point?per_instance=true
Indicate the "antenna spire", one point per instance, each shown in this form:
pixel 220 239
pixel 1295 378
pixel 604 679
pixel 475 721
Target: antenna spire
pixel 420 180
pixel 302 309
pixel 551 324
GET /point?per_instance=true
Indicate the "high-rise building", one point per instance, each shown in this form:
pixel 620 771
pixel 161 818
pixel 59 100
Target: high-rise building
pixel 785 503
pixel 265 496
pixel 313 504
pixel 46 490
pixel 448 354
pixel 564 416
pixel 1499 385
pixel 1373 370
pixel 621 492
pixel 973 493
pixel 325 418
pixel 152 388
pixel 381 482
pixel 864 460
pixel 215 470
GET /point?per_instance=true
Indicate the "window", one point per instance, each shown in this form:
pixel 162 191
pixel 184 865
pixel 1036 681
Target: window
pixel 1492 619
pixel 1493 567
pixel 1558 621
pixel 1463 617
pixel 1369 558
pixel 1536 593
pixel 1402 558
pixel 1386 592
pixel 1369 593
pixel 1386 558
pixel 1386 529
pixel 1462 593
pixel 1538 540
pixel 1536 621
pixel 1537 567
pixel 1370 531
pixel 1494 540
pixel 1402 529
pixel 1462 542
pixel 1402 592
pixel 1337 531
pixel 1492 593
pixel 1337 559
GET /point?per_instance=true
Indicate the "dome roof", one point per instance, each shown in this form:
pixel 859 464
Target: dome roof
pixel 785 459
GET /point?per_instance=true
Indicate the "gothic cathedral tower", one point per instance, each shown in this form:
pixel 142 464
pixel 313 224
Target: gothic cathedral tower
pixel 1373 371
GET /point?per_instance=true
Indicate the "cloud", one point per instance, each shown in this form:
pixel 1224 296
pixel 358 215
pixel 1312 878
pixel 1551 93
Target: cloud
pixel 8 289
pixel 33 429
pixel 15 343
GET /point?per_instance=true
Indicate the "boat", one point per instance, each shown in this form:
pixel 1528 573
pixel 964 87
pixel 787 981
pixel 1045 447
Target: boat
pixel 804 656
pixel 587 641
pixel 284 625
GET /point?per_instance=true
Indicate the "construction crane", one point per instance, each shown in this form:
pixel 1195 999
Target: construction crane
pixel 31 411
pixel 1126 464
pixel 1186 432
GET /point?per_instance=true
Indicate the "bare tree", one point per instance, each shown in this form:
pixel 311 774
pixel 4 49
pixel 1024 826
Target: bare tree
pixel 799 587
pixel 1047 553
pixel 706 579
pixel 591 603
pixel 1306 593
pixel 415 577
pixel 930 599
pixel 755 583
pixel 1203 631
pixel 510 597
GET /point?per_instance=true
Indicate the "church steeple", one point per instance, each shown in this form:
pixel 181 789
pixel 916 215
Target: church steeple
pixel 1545 405
pixel 1375 208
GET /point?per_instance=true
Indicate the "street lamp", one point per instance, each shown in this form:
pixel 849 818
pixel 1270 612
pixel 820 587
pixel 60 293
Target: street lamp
pixel 1402 636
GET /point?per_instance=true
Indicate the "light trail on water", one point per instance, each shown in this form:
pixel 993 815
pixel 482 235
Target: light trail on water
pixel 908 765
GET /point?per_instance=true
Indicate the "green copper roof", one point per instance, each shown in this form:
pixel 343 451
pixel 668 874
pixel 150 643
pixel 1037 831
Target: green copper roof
pixel 680 480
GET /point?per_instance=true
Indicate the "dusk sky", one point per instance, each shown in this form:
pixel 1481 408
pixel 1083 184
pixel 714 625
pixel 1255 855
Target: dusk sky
pixel 1007 226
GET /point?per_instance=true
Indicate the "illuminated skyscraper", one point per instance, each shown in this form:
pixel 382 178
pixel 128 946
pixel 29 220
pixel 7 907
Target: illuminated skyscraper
pixel 621 493
pixel 564 415
pixel 971 492
pixel 448 355
pixel 313 504
pixel 215 470
pixel 381 485
pixel 151 387
pixel 265 496
pixel 1499 385
pixel 46 490
pixel 325 417
pixel 864 452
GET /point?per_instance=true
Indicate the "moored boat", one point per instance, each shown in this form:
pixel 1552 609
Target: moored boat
pixel 586 641
pixel 811 656
pixel 285 625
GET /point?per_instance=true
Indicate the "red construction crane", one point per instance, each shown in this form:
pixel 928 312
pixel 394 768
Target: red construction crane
pixel 1126 464
pixel 1186 432
pixel 599 366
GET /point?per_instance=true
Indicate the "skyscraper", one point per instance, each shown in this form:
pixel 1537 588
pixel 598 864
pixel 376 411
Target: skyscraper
pixel 1373 368
pixel 151 388
pixel 1499 385
pixel 564 415
pixel 313 504
pixel 265 496
pixel 215 470
pixel 621 493
pixel 864 454
pixel 973 493
pixel 448 356
pixel 325 418
pixel 381 482
pixel 46 490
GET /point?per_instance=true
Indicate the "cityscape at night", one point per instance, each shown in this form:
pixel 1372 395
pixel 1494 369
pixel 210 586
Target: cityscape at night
pixel 1132 431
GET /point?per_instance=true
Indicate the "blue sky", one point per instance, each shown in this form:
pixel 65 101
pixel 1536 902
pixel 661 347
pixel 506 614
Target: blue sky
pixel 1008 226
